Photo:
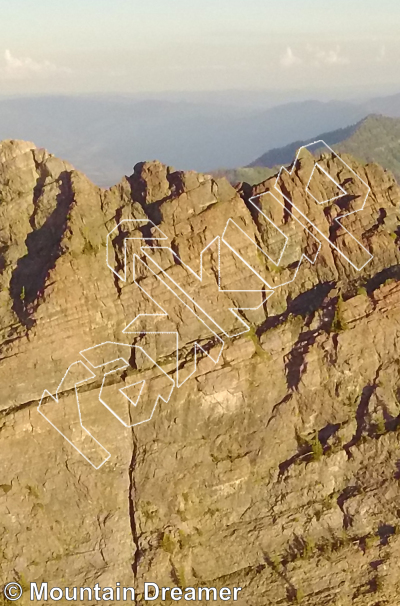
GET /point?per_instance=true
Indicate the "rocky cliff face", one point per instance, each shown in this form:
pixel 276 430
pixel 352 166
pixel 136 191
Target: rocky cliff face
pixel 277 467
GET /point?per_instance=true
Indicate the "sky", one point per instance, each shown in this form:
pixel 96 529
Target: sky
pixel 131 46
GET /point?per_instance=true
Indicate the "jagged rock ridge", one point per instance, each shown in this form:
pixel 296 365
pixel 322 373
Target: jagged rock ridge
pixel 275 469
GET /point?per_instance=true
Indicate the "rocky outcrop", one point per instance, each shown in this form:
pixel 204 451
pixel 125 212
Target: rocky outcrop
pixel 276 468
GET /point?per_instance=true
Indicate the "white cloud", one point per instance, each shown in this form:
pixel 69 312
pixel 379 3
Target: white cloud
pixel 25 67
pixel 289 58
pixel 328 57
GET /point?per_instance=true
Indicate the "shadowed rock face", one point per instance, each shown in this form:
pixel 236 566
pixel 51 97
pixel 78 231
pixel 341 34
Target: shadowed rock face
pixel 275 469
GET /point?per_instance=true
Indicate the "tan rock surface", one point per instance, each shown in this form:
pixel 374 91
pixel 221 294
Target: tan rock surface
pixel 276 469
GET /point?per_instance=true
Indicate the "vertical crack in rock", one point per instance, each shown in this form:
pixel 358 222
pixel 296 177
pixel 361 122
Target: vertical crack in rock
pixel 362 411
pixel 38 189
pixel 43 250
pixel 132 511
pixel 118 246
pixel 287 206
pixel 3 250
pixel 295 359
pixel 348 493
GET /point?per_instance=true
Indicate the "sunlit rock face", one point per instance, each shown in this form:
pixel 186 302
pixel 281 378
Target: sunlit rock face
pixel 274 466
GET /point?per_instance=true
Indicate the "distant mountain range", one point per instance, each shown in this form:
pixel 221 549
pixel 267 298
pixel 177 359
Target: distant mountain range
pixel 374 139
pixel 389 106
pixel 106 135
